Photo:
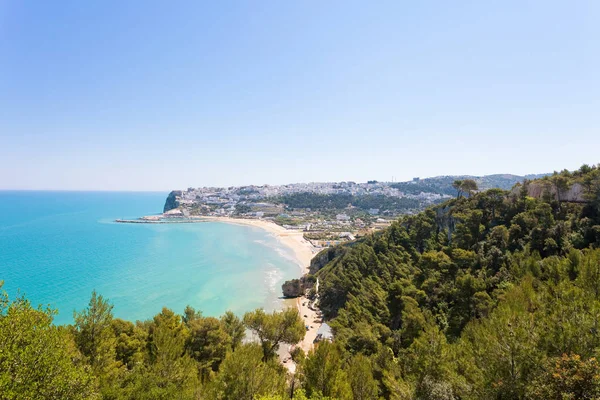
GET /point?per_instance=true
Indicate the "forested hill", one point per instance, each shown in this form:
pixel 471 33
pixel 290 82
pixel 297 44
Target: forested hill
pixel 566 186
pixel 443 184
pixel 492 296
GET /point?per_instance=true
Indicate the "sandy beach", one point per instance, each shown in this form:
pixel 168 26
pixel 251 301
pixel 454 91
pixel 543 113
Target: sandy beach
pixel 294 239
pixel 304 252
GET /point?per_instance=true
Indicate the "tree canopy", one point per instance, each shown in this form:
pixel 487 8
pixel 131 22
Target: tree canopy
pixel 275 328
pixel 494 295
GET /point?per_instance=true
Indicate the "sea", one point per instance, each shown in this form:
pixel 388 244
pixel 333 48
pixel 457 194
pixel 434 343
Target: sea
pixel 57 247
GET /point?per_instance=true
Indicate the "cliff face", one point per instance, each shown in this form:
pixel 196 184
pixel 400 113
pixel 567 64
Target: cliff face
pixel 297 287
pixel 172 201
pixel 323 257
pixel 445 221
pixel 574 194
pixel 293 288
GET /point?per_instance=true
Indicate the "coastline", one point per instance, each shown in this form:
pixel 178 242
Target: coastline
pixel 304 252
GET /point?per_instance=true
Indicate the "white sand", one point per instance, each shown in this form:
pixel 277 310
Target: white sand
pixel 294 239
pixel 311 319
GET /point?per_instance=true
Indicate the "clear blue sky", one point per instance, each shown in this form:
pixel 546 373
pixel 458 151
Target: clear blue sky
pixel 155 95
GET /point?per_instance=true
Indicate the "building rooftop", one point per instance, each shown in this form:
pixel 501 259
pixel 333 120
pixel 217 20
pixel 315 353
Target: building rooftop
pixel 325 332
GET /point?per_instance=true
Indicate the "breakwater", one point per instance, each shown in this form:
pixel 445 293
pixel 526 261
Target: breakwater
pixel 146 221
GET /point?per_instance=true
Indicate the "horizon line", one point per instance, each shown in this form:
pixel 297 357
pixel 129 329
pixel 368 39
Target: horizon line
pixel 253 184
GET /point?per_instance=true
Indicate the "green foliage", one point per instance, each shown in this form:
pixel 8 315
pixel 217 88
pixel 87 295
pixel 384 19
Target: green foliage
pixel 242 208
pixel 130 342
pixel 568 377
pixel 275 328
pixel 493 295
pixel 444 184
pixel 328 202
pixel 469 186
pixel 208 343
pixel 298 395
pixel 360 374
pixel 502 348
pixel 96 339
pixel 234 328
pixel 245 376
pixel 190 314
pixel 94 334
pixel 505 280
pixel 168 371
pixel 39 360
pixel 323 375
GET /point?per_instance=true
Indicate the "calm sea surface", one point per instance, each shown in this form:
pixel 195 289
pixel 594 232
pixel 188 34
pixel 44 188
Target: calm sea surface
pixel 56 247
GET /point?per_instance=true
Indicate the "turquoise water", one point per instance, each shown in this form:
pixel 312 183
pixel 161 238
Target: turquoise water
pixel 56 247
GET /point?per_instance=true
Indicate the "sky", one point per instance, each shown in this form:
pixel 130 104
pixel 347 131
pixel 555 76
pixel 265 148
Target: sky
pixel 157 95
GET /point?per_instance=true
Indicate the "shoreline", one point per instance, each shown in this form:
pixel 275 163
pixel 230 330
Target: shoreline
pixel 293 239
pixel 304 252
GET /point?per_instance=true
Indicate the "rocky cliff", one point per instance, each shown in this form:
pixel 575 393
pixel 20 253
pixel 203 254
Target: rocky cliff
pixel 324 256
pixel 539 189
pixel 172 201
pixel 298 287
pixel 445 221
pixel 293 288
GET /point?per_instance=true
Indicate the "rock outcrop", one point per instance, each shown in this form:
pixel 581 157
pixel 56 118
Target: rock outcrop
pixel 298 287
pixel 172 201
pixel 323 257
pixel 174 213
pixel 445 221
pixel 539 189
pixel 293 288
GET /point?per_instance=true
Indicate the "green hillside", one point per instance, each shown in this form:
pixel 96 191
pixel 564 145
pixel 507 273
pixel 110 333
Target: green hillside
pixel 443 184
pixel 479 297
pixel 494 296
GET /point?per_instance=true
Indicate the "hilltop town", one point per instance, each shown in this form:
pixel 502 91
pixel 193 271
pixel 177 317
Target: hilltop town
pixel 313 207
pixel 328 213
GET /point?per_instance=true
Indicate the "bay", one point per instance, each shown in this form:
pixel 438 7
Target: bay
pixel 56 247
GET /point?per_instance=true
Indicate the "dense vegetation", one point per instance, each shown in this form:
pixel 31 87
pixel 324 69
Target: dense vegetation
pixel 326 202
pixel 444 184
pixel 491 296
pixel 172 356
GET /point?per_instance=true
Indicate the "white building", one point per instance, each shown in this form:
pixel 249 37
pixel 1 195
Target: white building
pixel 342 217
